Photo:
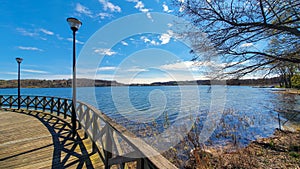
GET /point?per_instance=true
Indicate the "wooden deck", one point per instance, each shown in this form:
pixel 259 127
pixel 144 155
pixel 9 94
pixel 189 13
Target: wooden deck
pixel 31 138
pixel 34 139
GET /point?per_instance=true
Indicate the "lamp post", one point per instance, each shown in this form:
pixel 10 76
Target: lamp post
pixel 74 25
pixel 19 60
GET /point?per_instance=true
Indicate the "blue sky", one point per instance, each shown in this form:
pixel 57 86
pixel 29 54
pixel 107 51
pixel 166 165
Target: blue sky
pixel 38 32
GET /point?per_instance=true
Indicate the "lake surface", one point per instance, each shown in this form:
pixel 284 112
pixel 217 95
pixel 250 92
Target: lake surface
pixel 240 111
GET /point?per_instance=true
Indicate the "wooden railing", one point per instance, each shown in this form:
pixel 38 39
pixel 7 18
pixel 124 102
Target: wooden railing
pixel 115 144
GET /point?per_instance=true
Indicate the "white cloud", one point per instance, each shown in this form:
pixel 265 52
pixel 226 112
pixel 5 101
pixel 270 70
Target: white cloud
pixel 183 66
pixel 9 73
pixel 136 69
pixel 107 52
pixel 141 79
pixel 124 43
pixel 29 48
pixel 101 76
pixel 165 38
pixel 37 74
pixel 46 31
pixel 106 5
pixel 192 66
pixel 145 39
pixel 170 32
pixel 35 32
pixel 106 68
pixel 246 45
pixel 145 10
pixel 166 8
pixel 103 15
pixel 26 32
pixel 181 9
pixel 110 6
pixel 90 73
pixel 85 71
pixel 170 25
pixel 149 16
pixel 34 71
pixel 76 41
pixel 83 10
pixel 141 7
pixel 153 42
pixel 142 75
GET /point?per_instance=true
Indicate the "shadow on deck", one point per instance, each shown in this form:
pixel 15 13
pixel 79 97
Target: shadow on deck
pixel 35 139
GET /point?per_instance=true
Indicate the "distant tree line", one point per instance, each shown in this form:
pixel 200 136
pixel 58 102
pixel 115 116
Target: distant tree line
pixel 33 83
pixel 237 82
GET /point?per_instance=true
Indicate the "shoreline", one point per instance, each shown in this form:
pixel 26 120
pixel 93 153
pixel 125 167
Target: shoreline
pixel 287 91
pixel 281 150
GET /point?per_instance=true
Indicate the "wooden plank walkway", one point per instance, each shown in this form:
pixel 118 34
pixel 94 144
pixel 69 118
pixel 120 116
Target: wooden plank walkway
pixel 33 139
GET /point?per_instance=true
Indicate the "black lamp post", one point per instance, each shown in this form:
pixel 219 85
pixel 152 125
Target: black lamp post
pixel 19 60
pixel 75 25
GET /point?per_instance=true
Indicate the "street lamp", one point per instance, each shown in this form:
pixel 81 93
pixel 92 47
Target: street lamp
pixel 74 25
pixel 19 60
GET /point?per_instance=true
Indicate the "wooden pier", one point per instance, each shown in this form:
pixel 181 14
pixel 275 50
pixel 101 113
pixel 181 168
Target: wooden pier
pixel 40 135
pixel 34 139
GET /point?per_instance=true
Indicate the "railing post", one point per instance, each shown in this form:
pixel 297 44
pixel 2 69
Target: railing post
pixel 28 102
pixel 73 117
pixel 58 106
pixel 1 97
pixel 140 164
pixel 10 101
pixel 51 105
pixel 66 108
pixel 279 124
pixel 36 100
pixel 94 132
pixel 22 100
pixel 108 146
pixel 44 103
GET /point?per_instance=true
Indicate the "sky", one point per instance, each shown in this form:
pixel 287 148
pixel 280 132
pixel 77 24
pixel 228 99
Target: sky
pixel 130 41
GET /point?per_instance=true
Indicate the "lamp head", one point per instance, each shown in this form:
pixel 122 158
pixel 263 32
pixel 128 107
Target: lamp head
pixel 19 60
pixel 74 23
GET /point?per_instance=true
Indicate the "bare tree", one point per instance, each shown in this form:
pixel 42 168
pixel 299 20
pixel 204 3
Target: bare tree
pixel 241 31
pixel 280 45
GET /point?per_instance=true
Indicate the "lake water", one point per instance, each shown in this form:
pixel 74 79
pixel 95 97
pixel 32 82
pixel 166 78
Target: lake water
pixel 247 112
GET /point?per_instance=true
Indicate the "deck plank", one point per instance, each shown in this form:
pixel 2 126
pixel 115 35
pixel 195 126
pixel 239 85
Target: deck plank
pixel 33 139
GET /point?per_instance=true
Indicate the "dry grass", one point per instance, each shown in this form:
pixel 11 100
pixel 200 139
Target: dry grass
pixel 280 151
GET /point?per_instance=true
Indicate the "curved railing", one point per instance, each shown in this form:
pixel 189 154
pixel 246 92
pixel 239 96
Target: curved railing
pixel 52 104
pixel 115 144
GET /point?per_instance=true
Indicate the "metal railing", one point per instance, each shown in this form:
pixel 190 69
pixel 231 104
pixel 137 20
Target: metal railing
pixel 115 144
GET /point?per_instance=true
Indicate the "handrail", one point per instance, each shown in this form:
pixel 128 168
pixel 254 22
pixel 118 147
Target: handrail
pixel 116 145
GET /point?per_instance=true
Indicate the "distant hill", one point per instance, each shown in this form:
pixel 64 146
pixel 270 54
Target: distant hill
pixel 97 83
pixel 33 83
